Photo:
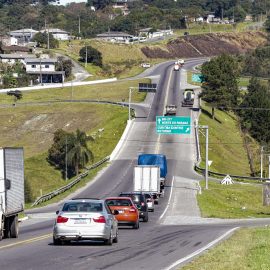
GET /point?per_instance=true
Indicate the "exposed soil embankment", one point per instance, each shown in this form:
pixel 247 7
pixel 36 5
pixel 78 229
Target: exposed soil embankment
pixel 207 45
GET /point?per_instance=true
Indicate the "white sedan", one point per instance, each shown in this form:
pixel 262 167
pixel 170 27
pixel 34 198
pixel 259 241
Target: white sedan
pixel 85 219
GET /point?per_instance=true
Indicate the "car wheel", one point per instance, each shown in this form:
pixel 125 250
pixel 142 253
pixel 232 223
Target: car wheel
pixel 110 240
pixel 145 218
pixel 115 240
pixel 137 225
pixel 56 241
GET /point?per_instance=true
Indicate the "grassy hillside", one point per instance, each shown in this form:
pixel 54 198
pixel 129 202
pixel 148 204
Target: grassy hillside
pixel 203 28
pixel 226 145
pixel 119 60
pixel 232 201
pixel 32 126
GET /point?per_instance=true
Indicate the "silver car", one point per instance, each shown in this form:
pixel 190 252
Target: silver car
pixel 85 219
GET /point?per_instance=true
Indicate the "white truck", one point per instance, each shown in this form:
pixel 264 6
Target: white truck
pixel 11 190
pixel 146 178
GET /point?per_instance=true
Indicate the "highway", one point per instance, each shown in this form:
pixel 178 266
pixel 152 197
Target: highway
pixel 159 243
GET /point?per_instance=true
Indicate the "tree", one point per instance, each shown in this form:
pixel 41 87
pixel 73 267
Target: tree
pixel 42 40
pixel 79 154
pixel 255 116
pixel 64 65
pixel 92 54
pixel 220 87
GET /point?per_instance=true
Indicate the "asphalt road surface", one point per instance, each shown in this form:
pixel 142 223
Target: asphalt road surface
pixel 156 245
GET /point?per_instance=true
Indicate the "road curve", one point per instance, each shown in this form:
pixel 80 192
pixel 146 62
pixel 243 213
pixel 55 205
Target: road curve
pixel 156 245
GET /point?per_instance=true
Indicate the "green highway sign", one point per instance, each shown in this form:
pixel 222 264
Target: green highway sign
pixel 173 125
pixel 197 78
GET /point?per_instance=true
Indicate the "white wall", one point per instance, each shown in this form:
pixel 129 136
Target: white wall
pixel 37 67
pixel 65 2
pixel 61 36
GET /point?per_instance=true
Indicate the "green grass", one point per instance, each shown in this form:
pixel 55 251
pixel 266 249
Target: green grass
pixel 226 145
pixel 113 91
pixel 119 60
pixel 232 201
pixel 247 249
pixel 203 28
pixel 243 81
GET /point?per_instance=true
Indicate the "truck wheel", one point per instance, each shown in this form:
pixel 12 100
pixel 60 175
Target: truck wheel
pixel 14 227
pixel 7 227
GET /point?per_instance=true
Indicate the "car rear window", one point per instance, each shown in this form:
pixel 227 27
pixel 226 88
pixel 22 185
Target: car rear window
pixel 137 198
pixel 83 207
pixel 147 195
pixel 118 202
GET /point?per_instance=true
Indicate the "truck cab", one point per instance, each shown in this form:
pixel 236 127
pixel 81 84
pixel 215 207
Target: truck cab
pixel 189 96
pixel 170 109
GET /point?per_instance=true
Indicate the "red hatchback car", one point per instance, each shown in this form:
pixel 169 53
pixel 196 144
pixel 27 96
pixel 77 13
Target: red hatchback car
pixel 128 212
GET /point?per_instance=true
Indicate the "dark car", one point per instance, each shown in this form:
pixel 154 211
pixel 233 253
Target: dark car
pixel 140 201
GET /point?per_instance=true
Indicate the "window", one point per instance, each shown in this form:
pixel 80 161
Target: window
pixel 47 66
pixel 82 207
pixel 33 66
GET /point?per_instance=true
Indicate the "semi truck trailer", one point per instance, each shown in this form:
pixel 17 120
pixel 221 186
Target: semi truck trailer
pixel 11 190
pixel 155 160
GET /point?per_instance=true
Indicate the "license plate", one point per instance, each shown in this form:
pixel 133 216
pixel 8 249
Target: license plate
pixel 121 211
pixel 80 221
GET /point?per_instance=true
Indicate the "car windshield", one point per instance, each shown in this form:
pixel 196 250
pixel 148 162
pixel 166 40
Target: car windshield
pixel 147 195
pixel 82 207
pixel 118 202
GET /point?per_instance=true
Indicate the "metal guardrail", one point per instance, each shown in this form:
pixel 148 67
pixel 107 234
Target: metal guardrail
pixel 211 173
pixel 60 190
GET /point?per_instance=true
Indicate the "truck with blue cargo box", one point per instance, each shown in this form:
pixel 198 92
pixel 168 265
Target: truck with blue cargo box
pixel 11 190
pixel 155 160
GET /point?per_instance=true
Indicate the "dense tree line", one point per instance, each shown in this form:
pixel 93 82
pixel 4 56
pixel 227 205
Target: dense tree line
pixel 15 14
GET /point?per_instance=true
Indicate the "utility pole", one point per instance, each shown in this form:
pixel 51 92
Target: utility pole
pixel 261 162
pixel 206 157
pixel 269 167
pixel 206 152
pixel 79 24
pixel 66 158
pixel 129 101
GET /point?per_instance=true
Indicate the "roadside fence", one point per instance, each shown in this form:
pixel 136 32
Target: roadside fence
pixel 60 190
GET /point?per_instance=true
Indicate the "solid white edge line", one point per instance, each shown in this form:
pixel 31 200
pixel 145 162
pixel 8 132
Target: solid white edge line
pixel 201 249
pixel 169 202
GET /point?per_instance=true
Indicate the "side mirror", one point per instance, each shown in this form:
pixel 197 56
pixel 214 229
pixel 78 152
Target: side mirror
pixel 115 212
pixel 57 212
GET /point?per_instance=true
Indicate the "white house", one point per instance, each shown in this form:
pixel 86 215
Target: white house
pixel 39 64
pixel 146 32
pixel 119 37
pixel 11 59
pixel 44 69
pixel 23 35
pixel 57 33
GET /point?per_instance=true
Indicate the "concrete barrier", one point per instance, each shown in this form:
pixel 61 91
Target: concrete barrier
pixel 122 140
pixel 58 85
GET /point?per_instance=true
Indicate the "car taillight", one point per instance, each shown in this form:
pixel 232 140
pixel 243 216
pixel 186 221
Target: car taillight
pixel 100 219
pixel 61 219
pixel 132 209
